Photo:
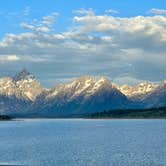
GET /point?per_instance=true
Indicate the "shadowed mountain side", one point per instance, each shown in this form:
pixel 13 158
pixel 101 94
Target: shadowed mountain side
pixel 23 96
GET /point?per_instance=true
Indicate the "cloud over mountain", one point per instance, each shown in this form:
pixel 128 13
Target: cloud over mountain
pixel 99 44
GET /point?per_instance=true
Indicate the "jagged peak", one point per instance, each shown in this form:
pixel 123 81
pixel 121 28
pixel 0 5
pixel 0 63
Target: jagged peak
pixel 103 79
pixel 92 78
pixel 24 74
pixel 145 83
pixel 87 81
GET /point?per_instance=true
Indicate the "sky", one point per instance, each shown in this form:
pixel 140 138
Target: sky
pixel 60 40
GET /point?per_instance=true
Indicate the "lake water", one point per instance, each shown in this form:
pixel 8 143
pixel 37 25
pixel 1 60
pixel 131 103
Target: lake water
pixel 83 142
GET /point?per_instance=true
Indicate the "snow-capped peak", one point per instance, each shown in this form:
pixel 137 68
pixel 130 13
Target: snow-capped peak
pixel 24 85
pixel 139 89
pixel 86 86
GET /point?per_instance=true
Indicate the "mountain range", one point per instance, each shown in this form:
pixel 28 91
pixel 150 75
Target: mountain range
pixel 23 96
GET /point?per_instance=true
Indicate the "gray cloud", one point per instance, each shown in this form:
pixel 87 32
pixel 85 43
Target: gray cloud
pixel 7 58
pixel 130 48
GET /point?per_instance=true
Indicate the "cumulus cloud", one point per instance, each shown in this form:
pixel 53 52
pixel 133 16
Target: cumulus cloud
pixel 97 45
pixel 42 29
pixel 42 26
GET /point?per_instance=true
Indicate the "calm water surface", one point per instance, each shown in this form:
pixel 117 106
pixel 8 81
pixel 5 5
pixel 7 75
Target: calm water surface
pixel 83 142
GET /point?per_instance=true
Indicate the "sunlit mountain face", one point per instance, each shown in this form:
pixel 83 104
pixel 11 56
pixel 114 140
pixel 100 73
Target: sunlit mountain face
pixel 23 95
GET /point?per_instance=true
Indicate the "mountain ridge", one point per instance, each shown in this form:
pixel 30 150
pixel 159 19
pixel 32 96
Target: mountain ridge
pixel 83 95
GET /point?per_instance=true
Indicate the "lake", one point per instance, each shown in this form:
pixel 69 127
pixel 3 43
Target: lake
pixel 78 142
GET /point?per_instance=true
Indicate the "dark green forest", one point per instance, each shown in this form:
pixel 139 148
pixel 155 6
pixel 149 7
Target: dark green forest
pixel 155 113
pixel 4 117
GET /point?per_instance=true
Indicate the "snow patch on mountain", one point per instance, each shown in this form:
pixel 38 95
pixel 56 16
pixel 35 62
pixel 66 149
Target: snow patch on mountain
pixel 24 86
pixel 86 86
pixel 138 90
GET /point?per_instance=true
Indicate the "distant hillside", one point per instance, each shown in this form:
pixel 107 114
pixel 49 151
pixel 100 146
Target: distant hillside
pixel 129 114
pixel 4 117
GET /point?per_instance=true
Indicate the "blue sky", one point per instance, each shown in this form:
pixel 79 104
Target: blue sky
pixel 92 41
pixel 12 10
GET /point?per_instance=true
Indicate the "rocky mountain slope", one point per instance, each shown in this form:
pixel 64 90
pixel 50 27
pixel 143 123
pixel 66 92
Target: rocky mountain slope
pixel 137 91
pixel 18 92
pixel 22 95
pixel 82 96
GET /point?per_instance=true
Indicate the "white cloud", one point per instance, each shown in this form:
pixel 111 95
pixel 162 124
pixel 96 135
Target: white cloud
pixel 50 20
pixel 135 32
pixel 103 44
pixel 27 26
pixel 112 11
pixel 106 32
pixel 85 12
pixel 42 26
pixel 8 58
pixel 158 11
